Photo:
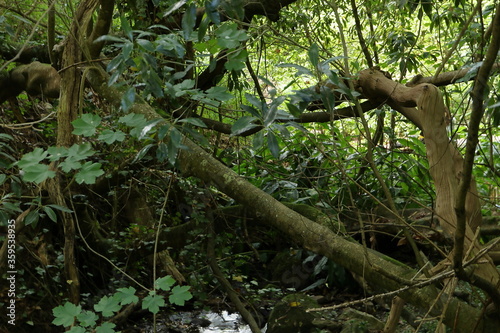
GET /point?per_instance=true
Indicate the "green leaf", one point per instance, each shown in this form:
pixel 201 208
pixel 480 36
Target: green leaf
pixel 162 152
pixel 88 173
pixel 109 136
pixel 212 12
pixel 32 158
pixel 194 121
pixel 128 99
pixel 76 329
pixel 272 144
pixel 313 53
pixel 188 21
pixel 219 94
pixel 126 295
pixel 37 174
pixel 258 140
pixel 86 125
pixel 56 153
pixel 228 36
pixel 65 314
pixel 133 120
pixel 87 318
pixel 180 294
pixel 243 124
pixel 301 70
pixel 126 27
pixel 50 213
pixel 32 218
pixel 153 302
pixel 142 153
pixel 165 283
pixel 61 208
pixel 271 113
pixel 145 44
pixel 107 306
pixel 105 328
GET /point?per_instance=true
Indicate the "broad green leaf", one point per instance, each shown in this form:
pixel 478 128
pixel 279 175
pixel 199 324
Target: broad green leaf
pixel 87 318
pixel 32 218
pixel 258 140
pixel 61 208
pixel 165 283
pixel 32 158
pixel 109 136
pixel 133 119
pixel 88 173
pixel 148 127
pixel 243 124
pixel 128 99
pixel 37 174
pixel 212 12
pixel 76 329
pixel 106 328
pixel 188 21
pixel 56 153
pixel 108 306
pixel 219 94
pixel 162 152
pixel 153 302
pixel 272 144
pixel 50 213
pixel 140 155
pixel 86 125
pixel 65 314
pixel 126 295
pixel 313 53
pixel 229 36
pixel 145 44
pixel 273 110
pixel 180 294
pixel 125 27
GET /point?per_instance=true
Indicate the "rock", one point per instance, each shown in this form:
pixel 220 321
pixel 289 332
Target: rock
pixel 289 315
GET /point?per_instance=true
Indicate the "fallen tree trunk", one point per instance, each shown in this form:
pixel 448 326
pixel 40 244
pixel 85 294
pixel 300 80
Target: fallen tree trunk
pixel 379 271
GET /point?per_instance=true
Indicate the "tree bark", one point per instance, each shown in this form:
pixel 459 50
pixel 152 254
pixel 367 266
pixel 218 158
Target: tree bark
pixel 378 270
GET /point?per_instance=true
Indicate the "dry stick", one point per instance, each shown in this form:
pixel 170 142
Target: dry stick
pixel 361 39
pixel 477 94
pixel 233 296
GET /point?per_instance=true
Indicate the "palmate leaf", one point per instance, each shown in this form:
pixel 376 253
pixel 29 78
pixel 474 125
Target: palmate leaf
pixel 88 173
pixel 86 125
pixel 107 306
pixel 180 294
pixel 153 302
pixel 65 314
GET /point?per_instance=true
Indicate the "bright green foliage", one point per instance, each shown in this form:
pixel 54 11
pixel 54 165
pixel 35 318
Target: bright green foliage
pixel 180 294
pixel 108 306
pixel 153 302
pixel 69 314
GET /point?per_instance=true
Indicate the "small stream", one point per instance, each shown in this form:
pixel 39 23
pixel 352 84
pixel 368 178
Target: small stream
pixel 210 322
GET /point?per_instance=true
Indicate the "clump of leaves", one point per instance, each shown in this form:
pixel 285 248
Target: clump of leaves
pixel 80 320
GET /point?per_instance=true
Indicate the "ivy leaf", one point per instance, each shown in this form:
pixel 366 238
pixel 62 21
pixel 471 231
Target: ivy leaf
pixel 133 119
pixel 86 125
pixel 126 295
pixel 107 306
pixel 88 173
pixel 243 124
pixel 180 294
pixel 108 136
pixel 56 153
pixel 153 302
pixel 65 314
pixel 165 283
